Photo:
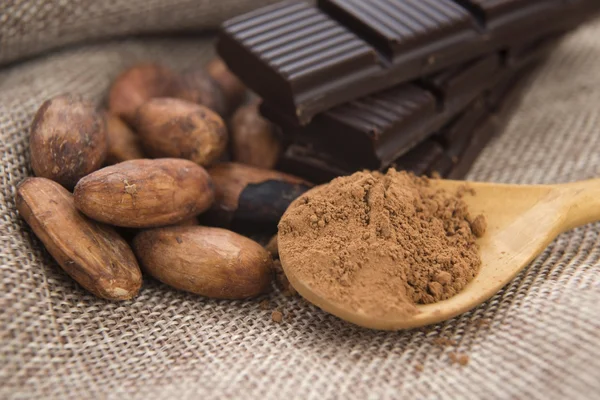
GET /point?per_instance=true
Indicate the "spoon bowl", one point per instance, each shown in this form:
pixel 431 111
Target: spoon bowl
pixel 522 220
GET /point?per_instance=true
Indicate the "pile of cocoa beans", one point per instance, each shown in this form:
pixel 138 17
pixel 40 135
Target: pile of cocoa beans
pixel 128 185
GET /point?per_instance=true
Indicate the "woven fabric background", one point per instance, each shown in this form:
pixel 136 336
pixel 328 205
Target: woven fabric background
pixel 28 27
pixel 539 338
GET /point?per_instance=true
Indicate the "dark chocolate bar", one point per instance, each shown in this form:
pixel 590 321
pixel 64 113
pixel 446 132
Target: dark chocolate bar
pixel 420 159
pixel 457 86
pixel 304 59
pixel 362 132
pixel 450 152
pixel 505 88
pixel 317 167
pixel 499 102
pixel 452 137
pixel 374 131
pixel 526 53
pixel 478 139
pixel 442 152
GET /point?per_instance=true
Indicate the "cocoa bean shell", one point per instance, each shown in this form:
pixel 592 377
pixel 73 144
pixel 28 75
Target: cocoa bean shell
pixel 68 140
pixel 233 88
pixel 246 194
pixel 145 193
pixel 176 128
pixel 212 262
pixel 200 88
pixel 254 140
pixel 92 253
pixel 138 84
pixel 123 143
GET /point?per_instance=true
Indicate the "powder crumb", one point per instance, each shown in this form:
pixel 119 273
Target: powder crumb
pixel 479 226
pixel 443 278
pixel 436 175
pixel 458 358
pixel 391 241
pixel 272 248
pixel 419 367
pixel 277 316
pixel 441 341
pixel 436 289
pixel 453 357
pixel 465 189
pixel 264 305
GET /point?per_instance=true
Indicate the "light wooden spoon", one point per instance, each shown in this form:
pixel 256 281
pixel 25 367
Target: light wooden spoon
pixel 522 221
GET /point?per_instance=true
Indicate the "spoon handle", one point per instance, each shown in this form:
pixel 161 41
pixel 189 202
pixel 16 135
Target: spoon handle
pixel 583 202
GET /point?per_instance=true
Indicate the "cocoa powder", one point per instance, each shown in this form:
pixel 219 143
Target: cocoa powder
pixel 381 243
pixel 277 316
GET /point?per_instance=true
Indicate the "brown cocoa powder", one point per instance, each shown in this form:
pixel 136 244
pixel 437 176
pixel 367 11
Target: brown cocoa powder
pixel 381 243
pixel 458 358
pixel 277 316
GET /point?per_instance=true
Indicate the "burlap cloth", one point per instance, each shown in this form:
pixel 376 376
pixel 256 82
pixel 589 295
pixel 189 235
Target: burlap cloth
pixel 538 338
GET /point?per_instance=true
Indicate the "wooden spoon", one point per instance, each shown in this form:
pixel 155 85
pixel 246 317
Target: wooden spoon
pixel 522 221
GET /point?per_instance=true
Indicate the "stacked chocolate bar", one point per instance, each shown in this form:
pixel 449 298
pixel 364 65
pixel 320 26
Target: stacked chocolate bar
pixel 418 84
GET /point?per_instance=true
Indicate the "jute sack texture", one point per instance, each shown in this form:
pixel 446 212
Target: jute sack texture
pixel 536 339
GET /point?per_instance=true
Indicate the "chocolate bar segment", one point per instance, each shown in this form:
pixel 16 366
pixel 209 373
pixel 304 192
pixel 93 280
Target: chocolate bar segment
pixel 362 132
pixel 500 103
pixel 373 131
pixel 453 137
pixel 304 60
pixel 420 159
pixel 286 50
pixel 396 28
pixel 317 167
pixel 457 86
pixel 481 136
pixel 442 166
pixel 524 54
pixel 500 14
pixel 450 152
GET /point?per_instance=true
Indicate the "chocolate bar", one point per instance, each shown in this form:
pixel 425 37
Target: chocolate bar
pixel 304 60
pixel 452 135
pixel 363 132
pixel 478 139
pixel 499 102
pixel 314 166
pixel 528 52
pixel 449 152
pixel 443 151
pixel 420 159
pixel 470 133
pixel 372 132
